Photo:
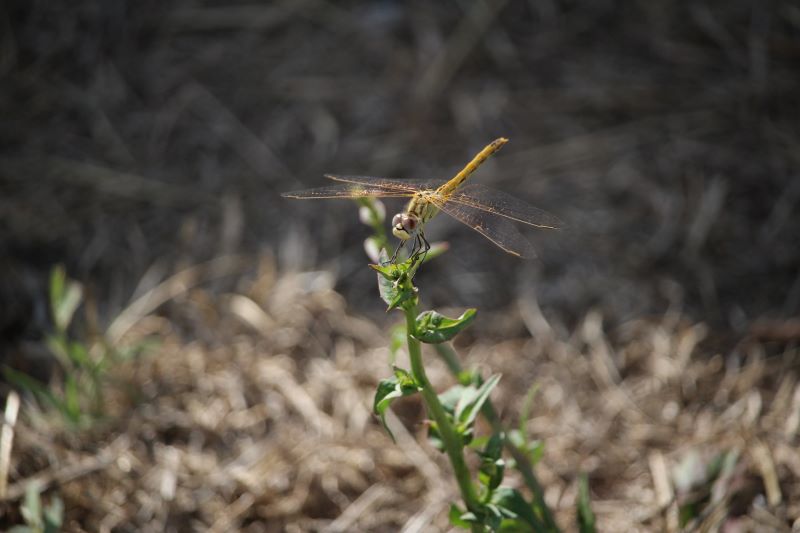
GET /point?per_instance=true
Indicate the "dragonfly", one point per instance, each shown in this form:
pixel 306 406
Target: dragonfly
pixel 490 212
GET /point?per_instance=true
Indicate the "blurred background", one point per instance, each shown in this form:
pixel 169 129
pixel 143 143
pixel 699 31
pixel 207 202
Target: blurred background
pixel 664 133
pixel 140 138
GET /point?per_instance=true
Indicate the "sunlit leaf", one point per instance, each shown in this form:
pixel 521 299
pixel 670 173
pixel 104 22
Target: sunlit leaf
pixel 586 520
pixel 450 398
pixel 467 413
pixel 513 505
pixel 434 328
pixel 397 339
pixel 461 518
pixel 393 281
pixel 399 385
pixel 65 297
pixel 31 509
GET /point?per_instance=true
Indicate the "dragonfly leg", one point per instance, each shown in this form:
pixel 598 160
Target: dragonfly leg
pixel 421 247
pixel 426 245
pixel 417 245
pixel 396 250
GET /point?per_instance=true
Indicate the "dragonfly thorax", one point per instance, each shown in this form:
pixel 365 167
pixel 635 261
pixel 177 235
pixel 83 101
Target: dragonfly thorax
pixel 405 225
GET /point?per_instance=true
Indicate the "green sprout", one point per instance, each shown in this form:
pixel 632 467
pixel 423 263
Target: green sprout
pixel 84 367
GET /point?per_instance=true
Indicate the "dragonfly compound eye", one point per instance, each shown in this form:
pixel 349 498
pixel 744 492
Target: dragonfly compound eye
pixel 409 223
pixel 397 221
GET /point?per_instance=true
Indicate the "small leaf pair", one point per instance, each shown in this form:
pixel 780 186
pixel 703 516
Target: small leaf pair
pixel 435 328
pixel 394 281
pixel 397 386
pixel 507 511
pixel 462 404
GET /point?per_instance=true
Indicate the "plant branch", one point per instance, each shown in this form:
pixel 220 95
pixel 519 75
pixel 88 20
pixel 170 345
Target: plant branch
pixel 449 357
pixel 450 439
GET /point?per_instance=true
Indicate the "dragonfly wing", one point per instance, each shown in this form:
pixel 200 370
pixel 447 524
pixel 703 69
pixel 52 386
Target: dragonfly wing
pixel 499 230
pixel 347 190
pixel 499 203
pixel 410 186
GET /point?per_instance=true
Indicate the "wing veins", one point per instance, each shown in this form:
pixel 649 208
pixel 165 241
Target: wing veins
pixel 346 190
pixel 497 229
pixel 406 185
pixel 517 210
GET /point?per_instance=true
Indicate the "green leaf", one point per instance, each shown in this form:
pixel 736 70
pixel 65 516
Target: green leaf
pixel 32 508
pixel 388 271
pixel 434 328
pixel 491 473
pixel 65 297
pixel 58 279
pixel 527 405
pixel 479 442
pixel 467 412
pixel 397 339
pixel 493 517
pixel 394 283
pixel 460 518
pixel 399 385
pixel 513 505
pixel 586 520
pixel 450 398
pixel 54 516
pixel 434 437
pixel 493 466
pixel 533 449
pixel 494 447
pixel 79 355
pixel 32 385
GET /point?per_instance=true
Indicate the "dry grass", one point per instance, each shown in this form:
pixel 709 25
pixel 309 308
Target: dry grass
pixel 263 423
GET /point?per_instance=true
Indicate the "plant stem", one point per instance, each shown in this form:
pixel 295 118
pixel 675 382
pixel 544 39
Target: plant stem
pixel 450 439
pixel 447 354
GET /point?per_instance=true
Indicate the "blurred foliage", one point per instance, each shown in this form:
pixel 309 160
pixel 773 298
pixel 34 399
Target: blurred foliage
pixel 84 365
pixel 39 518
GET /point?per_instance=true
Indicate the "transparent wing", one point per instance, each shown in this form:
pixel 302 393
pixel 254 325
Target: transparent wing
pixel 410 186
pixel 499 203
pixel 499 230
pixel 347 190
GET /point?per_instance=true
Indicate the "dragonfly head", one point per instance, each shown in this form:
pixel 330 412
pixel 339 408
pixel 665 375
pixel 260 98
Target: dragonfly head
pixel 405 225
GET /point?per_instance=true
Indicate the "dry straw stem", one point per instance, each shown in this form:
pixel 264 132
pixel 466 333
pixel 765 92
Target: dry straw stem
pixel 7 439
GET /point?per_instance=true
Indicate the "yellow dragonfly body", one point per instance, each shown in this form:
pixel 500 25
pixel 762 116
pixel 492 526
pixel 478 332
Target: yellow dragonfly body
pixel 487 211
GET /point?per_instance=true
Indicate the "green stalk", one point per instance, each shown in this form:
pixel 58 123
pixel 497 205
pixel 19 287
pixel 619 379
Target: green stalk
pixel 447 354
pixel 450 439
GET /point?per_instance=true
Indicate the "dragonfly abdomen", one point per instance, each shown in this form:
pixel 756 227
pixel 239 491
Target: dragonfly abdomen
pixel 477 161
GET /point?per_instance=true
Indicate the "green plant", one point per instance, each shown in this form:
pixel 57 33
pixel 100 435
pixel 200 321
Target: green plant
pixel 38 518
pixel 84 367
pixel 487 504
